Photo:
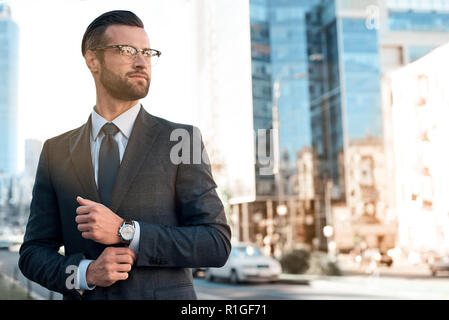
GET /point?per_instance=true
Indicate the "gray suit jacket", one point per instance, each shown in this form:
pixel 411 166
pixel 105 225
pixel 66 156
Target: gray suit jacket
pixel 181 218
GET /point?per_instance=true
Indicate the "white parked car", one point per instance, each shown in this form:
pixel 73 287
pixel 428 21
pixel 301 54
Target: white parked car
pixel 439 265
pixel 246 263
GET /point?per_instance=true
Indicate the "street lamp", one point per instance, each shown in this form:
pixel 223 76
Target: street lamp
pixel 281 210
pixel 328 231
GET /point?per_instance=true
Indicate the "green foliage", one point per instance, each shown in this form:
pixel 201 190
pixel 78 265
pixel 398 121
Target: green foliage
pixel 323 264
pixel 330 267
pixel 296 261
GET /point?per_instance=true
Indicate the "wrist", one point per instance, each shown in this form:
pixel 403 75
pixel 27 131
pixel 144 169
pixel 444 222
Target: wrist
pixel 126 231
pixel 117 234
pixel 90 279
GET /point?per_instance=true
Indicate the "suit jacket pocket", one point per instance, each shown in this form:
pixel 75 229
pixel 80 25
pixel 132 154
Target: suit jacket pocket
pixel 180 292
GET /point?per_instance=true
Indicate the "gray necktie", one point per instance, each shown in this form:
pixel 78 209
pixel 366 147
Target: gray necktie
pixel 108 163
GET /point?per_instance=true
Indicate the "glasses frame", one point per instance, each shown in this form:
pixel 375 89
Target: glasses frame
pixel 154 52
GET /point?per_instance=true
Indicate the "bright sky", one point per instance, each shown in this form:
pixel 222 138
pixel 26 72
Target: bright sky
pixel 56 90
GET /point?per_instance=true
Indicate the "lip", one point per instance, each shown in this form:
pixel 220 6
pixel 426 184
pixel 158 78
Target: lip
pixel 139 76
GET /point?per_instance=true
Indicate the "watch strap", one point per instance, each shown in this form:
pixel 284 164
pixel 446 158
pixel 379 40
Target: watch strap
pixel 129 222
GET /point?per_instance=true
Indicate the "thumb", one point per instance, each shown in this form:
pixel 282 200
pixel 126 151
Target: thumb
pixel 84 202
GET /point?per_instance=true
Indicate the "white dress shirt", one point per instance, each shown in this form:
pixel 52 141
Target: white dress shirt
pixel 125 124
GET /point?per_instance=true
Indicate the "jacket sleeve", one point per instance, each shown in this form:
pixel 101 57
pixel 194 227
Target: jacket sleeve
pixel 203 237
pixel 39 259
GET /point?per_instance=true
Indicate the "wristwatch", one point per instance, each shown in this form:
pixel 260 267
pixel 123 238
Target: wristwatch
pixel 126 231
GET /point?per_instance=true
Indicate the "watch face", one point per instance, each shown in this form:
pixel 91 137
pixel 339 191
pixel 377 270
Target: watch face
pixel 127 232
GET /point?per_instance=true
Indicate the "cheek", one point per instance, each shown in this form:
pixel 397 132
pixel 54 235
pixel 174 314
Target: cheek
pixel 112 73
pixel 114 67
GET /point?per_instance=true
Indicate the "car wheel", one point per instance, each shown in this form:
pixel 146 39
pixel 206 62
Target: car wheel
pixel 275 280
pixel 208 276
pixel 234 277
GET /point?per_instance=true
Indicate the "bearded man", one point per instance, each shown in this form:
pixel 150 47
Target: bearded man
pixel 132 218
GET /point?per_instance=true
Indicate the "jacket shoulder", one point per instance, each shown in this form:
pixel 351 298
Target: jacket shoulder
pixel 64 138
pixel 169 125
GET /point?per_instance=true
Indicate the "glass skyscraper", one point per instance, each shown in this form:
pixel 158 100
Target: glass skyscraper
pixel 261 82
pixel 279 54
pixel 345 69
pixel 328 59
pixel 344 76
pixel 289 61
pixel 351 45
pixel 9 36
pixel 278 57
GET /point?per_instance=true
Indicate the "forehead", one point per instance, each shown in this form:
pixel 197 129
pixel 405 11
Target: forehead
pixel 119 34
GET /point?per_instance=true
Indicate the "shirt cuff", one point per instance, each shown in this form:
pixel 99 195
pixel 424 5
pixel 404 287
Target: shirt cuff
pixel 82 270
pixel 134 244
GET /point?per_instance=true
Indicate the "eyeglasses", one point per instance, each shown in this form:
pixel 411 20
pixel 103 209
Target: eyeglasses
pixel 129 52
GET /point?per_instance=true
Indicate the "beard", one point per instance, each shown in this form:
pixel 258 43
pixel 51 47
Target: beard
pixel 120 88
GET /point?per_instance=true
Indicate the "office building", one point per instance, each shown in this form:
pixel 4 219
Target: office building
pixel 279 77
pixel 351 46
pixel 9 53
pixel 420 175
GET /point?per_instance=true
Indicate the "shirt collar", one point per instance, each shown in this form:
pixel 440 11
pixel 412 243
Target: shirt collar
pixel 124 122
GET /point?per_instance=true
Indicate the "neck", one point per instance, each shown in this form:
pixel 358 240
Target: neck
pixel 110 108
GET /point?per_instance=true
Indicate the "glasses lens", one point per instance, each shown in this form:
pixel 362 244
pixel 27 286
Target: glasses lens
pixel 128 51
pixel 152 56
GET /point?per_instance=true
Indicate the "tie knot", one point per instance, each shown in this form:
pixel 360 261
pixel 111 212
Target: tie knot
pixel 110 128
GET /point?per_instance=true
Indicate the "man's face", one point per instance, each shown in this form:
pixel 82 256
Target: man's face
pixel 124 78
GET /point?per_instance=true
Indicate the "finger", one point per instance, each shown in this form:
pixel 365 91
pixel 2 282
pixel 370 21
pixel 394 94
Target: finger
pixel 131 253
pixel 124 259
pixel 83 219
pixel 121 251
pixel 85 202
pixel 120 275
pixel 83 209
pixel 123 267
pixel 87 235
pixel 84 227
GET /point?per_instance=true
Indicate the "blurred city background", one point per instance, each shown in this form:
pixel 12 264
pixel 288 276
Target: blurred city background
pixel 326 122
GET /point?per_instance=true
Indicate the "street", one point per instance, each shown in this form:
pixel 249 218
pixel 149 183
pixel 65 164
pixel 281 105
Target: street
pixel 332 288
pixel 9 268
pixel 321 290
pixel 352 286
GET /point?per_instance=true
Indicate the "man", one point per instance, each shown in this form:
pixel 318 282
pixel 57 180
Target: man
pixel 131 216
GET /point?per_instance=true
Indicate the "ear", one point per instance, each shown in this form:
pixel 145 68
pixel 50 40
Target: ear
pixel 92 61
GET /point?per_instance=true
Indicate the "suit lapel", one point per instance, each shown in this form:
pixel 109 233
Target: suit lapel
pixel 82 161
pixel 144 134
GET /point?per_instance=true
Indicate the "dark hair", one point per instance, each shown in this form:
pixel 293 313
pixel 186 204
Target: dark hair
pixel 94 35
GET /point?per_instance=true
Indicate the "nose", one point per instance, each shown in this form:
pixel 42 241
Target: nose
pixel 139 61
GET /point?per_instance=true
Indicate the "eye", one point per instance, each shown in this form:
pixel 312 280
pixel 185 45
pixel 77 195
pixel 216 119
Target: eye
pixel 127 50
pixel 148 53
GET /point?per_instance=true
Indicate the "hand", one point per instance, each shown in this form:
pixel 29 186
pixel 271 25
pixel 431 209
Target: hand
pixel 111 266
pixel 97 222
